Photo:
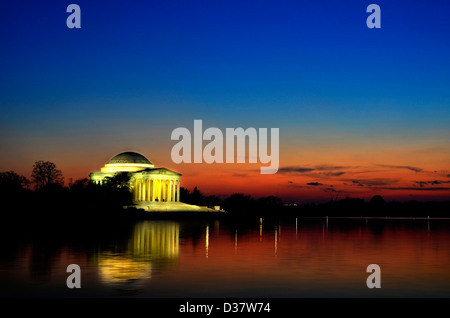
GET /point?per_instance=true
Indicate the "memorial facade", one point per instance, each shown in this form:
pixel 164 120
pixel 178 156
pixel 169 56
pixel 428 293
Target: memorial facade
pixel 147 183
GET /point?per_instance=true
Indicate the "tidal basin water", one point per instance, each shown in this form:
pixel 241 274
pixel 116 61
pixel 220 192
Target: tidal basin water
pixel 214 258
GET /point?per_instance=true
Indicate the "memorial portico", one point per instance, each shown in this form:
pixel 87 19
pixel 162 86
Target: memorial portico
pixel 160 185
pixel 147 183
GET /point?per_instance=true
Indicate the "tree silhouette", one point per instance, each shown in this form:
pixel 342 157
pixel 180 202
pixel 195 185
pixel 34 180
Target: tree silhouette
pixel 120 180
pixel 9 180
pixel 79 184
pixel 238 202
pixel 45 173
pixel 377 200
pixel 114 191
pixel 197 197
pixel 185 195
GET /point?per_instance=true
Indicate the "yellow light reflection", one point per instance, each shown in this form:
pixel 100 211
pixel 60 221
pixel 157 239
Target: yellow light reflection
pixel 206 241
pixel 235 241
pixel 260 229
pixel 276 240
pixel 119 269
pixel 155 240
pixel 149 243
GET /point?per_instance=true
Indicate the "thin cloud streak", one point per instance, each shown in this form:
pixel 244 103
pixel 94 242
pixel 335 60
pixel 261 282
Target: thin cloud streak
pixel 328 168
pixel 314 184
pixel 416 189
pixel 415 169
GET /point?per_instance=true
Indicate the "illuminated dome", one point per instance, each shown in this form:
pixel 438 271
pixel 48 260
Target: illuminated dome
pixel 127 162
pixel 129 157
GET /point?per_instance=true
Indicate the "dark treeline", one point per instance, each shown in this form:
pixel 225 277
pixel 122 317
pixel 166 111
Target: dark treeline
pixel 245 205
pixel 376 207
pixel 236 204
pixel 45 199
pixel 197 198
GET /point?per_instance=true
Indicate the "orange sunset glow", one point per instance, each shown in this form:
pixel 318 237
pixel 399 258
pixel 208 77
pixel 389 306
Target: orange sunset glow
pixel 309 171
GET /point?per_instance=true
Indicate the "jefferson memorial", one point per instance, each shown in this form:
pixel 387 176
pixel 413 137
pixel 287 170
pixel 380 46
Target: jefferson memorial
pixel 153 189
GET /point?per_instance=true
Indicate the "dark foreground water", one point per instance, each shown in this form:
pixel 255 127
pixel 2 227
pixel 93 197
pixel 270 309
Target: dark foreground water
pixel 215 258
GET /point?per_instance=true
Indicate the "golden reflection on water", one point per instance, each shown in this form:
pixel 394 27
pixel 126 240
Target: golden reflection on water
pixel 301 258
pixel 207 241
pixel 117 269
pixel 155 240
pixel 149 243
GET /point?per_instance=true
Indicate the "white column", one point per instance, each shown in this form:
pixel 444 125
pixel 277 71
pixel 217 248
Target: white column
pixel 139 190
pixel 144 190
pixel 174 191
pixel 169 191
pixel 135 190
pixel 150 182
pixel 164 190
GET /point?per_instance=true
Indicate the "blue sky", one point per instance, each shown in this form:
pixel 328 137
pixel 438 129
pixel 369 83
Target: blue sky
pixel 228 55
pixel 151 66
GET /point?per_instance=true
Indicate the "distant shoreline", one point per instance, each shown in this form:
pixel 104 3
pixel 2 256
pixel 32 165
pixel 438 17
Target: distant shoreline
pixel 377 217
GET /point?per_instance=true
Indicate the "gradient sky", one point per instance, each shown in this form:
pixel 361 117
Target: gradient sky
pixel 361 111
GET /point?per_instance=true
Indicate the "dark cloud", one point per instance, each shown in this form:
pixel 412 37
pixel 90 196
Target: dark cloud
pixel 373 182
pixel 334 174
pixel 293 185
pixel 434 182
pixel 415 169
pixel 328 170
pixel 314 184
pixel 294 169
pixel 329 167
pixel 418 189
pixel 240 175
pixel 421 183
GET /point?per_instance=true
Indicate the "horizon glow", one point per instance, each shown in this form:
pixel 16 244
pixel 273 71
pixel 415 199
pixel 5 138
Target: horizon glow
pixel 361 111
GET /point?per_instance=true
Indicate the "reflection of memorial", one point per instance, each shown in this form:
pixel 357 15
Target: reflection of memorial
pixel 155 240
pixel 150 244
pixel 121 269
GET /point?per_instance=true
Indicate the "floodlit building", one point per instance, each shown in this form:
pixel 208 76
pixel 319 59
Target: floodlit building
pixel 147 182
pixel 153 189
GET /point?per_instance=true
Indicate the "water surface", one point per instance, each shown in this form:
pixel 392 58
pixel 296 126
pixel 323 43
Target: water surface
pixel 215 258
